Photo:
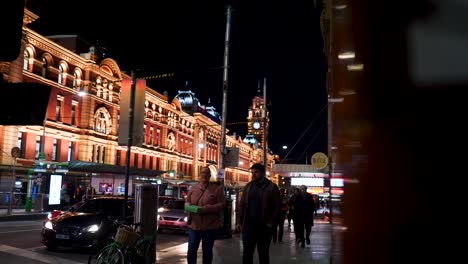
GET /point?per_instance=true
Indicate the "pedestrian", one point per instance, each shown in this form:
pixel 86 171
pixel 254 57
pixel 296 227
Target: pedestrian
pixel 64 197
pixel 257 215
pixel 79 193
pixel 292 211
pixel 304 208
pixel 278 229
pixel 205 224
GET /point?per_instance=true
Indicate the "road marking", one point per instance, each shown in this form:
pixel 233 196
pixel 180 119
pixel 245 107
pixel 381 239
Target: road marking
pixel 19 231
pixel 36 256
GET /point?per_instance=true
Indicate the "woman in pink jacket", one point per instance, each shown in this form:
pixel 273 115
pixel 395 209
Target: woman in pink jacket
pixel 205 224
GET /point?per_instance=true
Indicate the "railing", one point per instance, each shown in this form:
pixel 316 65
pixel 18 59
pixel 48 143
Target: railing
pixel 15 203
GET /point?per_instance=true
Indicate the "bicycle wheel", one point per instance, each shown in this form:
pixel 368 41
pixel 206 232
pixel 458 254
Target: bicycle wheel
pixel 110 254
pixel 96 250
pixel 142 253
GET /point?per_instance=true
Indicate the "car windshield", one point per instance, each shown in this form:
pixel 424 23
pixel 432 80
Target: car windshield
pixel 172 203
pixel 111 207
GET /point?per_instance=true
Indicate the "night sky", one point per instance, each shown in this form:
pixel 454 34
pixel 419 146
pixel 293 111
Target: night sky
pixel 278 41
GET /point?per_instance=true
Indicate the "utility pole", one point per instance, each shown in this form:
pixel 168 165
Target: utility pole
pixel 265 132
pixel 222 151
pixel 131 117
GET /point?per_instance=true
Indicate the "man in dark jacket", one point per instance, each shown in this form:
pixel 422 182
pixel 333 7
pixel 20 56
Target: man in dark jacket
pixel 257 215
pixel 304 208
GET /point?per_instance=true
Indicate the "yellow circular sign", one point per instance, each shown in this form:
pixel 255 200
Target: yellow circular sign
pixel 319 160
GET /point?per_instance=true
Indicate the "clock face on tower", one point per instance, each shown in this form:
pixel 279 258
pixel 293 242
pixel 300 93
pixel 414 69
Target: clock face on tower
pixel 256 125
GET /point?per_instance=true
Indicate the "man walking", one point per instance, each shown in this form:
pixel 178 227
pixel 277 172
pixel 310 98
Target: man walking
pixel 278 229
pixel 304 208
pixel 257 215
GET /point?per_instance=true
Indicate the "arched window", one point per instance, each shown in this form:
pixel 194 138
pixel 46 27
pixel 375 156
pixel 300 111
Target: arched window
pixel 26 60
pixel 102 120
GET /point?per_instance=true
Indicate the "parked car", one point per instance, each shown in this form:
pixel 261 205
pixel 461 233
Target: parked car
pixel 88 224
pixel 57 212
pixel 171 214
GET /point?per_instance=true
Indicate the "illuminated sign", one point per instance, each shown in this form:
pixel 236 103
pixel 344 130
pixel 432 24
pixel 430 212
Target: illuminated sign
pixel 318 182
pixel 336 182
pixel 315 190
pixel 54 190
pixel 338 191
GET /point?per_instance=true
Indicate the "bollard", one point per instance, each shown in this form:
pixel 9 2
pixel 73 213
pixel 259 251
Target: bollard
pixel 146 199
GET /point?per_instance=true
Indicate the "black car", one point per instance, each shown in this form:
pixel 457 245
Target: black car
pixel 89 224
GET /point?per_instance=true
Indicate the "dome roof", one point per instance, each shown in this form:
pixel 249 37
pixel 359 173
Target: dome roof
pixel 188 101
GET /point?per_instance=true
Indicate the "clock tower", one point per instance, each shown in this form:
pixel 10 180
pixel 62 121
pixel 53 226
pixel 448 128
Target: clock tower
pixel 255 120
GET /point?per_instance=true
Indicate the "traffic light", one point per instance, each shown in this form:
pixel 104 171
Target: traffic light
pixel 11 19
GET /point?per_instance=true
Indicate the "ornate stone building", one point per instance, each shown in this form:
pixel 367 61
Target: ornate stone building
pixel 79 136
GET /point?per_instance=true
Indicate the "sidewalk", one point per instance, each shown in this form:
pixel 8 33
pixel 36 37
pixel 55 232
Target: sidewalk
pixel 21 215
pixel 322 249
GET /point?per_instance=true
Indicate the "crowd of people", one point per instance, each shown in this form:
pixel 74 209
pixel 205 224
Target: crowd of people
pixel 71 194
pixel 261 214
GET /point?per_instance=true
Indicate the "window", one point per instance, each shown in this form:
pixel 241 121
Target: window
pixel 60 74
pixel 103 154
pixel 117 157
pixel 135 160
pixel 55 150
pixel 38 145
pixel 143 162
pixel 21 144
pixel 70 151
pixel 156 143
pixel 73 111
pixel 58 109
pixel 44 67
pixel 98 152
pixel 150 163
pixel 102 120
pixel 26 60
pixel 150 141
pixel 75 80
pixel 93 153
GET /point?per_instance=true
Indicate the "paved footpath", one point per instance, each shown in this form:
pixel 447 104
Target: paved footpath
pixel 322 250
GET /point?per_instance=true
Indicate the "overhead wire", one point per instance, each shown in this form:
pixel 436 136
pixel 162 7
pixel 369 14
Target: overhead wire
pixel 312 141
pixel 305 131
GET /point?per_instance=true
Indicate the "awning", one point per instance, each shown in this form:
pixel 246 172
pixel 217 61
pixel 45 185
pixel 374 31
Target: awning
pixel 173 182
pixel 91 167
pixel 176 182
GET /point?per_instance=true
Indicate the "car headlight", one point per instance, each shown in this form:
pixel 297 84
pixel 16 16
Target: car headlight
pixel 186 219
pixel 92 228
pixel 160 209
pixel 49 225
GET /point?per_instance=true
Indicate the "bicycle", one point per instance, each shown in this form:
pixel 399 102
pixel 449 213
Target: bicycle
pixel 129 247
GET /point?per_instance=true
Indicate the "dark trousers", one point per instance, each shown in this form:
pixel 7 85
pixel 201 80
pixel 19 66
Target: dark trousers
pixel 278 230
pixel 300 225
pixel 194 237
pixel 259 238
pixel 289 219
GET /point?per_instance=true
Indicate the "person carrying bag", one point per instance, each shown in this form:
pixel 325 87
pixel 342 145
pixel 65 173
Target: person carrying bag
pixel 204 201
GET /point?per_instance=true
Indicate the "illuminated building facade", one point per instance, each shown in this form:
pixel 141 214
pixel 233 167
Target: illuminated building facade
pixel 80 130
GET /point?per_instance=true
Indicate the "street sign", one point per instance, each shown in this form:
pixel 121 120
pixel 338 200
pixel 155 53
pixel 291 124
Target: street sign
pixel 319 160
